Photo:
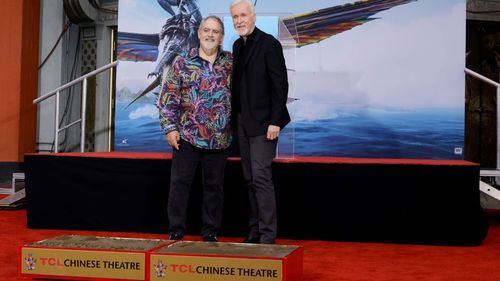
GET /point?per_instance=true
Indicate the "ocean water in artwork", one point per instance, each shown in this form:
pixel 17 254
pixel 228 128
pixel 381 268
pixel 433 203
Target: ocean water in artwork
pixel 367 133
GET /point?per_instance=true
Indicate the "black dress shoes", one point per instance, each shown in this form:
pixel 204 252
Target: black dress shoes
pixel 210 238
pixel 268 242
pixel 175 236
pixel 252 240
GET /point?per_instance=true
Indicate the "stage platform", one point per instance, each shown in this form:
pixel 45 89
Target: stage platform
pixel 341 199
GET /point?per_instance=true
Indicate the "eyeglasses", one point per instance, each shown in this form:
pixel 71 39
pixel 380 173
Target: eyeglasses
pixel 214 31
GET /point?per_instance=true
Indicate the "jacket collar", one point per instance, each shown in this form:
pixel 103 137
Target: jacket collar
pixel 195 53
pixel 255 37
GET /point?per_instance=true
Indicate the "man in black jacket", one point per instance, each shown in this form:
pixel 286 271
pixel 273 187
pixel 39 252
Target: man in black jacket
pixel 259 92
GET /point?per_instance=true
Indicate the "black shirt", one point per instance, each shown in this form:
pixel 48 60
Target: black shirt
pixel 238 72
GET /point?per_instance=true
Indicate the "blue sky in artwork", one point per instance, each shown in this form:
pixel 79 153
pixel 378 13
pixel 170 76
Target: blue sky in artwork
pixel 412 56
pixel 399 73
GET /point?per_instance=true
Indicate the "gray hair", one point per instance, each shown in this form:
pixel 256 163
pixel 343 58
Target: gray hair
pixel 216 18
pixel 248 2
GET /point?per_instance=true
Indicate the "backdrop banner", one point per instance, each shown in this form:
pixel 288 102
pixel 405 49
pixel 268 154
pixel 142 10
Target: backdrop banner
pixel 372 79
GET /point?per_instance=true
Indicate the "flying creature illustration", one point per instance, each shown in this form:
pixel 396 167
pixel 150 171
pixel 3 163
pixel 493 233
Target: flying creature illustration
pixel 179 33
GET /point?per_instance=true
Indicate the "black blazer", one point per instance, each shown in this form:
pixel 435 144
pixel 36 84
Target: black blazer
pixel 263 89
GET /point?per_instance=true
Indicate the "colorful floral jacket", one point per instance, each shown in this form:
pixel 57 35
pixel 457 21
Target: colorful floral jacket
pixel 195 99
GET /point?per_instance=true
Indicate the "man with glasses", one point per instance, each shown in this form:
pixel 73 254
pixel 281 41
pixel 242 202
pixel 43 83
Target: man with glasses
pixel 195 106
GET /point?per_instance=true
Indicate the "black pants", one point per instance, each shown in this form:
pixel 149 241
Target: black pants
pixel 184 164
pixel 257 155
